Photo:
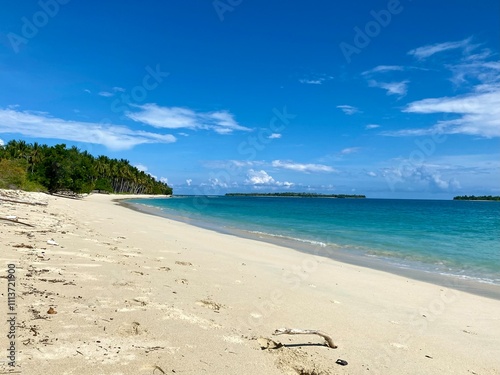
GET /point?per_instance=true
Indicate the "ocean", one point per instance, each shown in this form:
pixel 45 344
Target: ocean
pixel 456 239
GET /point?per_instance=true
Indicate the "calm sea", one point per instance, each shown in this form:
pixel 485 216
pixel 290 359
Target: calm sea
pixel 456 238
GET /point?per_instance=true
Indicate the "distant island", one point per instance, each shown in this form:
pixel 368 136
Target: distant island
pixel 478 198
pixel 298 195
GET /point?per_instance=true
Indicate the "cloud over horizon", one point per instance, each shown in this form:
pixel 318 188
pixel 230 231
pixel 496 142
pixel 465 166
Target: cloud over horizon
pixel 305 168
pixel 262 178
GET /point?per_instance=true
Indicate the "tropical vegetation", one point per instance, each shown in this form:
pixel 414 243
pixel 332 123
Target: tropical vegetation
pixel 476 198
pixel 59 168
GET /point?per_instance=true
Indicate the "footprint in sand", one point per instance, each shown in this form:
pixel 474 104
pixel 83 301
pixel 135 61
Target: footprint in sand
pixel 233 339
pixel 210 304
pixel 183 263
pixel 131 329
pixel 399 346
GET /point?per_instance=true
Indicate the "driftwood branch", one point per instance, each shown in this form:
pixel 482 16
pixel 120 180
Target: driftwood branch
pixel 66 194
pixel 16 221
pixel 295 331
pixel 23 202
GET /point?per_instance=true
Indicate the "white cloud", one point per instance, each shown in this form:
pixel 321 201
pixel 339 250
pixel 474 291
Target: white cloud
pixel 87 91
pixel 475 113
pixel 316 80
pixel 42 125
pixel 106 94
pixel 486 72
pixel 262 178
pixel 189 181
pixel 232 165
pixel 215 182
pixel 348 109
pixel 141 167
pixel 431 49
pixel 371 174
pixel 222 122
pixel 350 150
pixel 164 180
pixel 311 81
pixel 383 69
pixel 274 136
pixel 472 65
pixel 2 143
pixel 419 177
pixel 372 126
pixel 478 114
pixel 392 88
pixel 306 168
pixel 245 163
pixel 259 178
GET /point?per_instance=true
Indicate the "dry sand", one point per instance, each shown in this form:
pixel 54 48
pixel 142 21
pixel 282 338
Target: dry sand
pixel 139 294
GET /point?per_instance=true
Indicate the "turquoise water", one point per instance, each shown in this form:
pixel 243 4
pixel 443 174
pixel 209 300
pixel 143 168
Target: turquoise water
pixel 459 238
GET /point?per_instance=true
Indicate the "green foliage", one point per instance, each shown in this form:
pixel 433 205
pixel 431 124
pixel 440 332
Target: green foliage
pixel 103 184
pixel 57 168
pixel 13 175
pixel 478 198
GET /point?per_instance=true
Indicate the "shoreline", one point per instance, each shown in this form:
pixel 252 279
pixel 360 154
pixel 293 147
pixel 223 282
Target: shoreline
pixel 133 293
pixel 466 284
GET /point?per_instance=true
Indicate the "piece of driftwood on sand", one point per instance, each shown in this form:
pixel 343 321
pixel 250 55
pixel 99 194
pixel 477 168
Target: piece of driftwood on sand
pixel 22 202
pixel 295 331
pixel 16 221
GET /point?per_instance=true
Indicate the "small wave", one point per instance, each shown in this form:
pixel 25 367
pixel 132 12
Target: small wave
pixel 472 278
pixel 318 243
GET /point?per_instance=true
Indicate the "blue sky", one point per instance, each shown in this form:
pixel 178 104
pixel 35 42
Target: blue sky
pixel 392 99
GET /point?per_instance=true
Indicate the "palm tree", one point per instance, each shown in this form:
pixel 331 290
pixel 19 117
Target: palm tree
pixel 35 156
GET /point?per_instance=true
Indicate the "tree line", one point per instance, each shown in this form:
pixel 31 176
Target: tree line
pixel 59 168
pixel 476 198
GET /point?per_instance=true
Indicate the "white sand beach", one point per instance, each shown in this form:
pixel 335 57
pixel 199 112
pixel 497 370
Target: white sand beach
pixel 139 294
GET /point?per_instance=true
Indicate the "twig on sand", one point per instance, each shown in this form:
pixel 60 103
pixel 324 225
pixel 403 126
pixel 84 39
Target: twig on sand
pixel 24 202
pixel 295 331
pixel 158 368
pixel 16 221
